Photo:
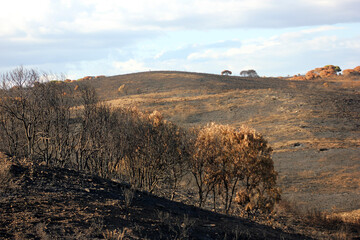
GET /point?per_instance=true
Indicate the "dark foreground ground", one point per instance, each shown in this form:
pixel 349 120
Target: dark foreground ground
pixel 38 202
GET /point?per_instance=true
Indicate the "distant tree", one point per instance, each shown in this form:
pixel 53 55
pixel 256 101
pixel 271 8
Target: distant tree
pixel 226 72
pixel 249 73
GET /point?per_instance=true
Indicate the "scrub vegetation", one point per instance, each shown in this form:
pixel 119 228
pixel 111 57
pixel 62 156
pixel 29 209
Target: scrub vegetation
pixel 67 127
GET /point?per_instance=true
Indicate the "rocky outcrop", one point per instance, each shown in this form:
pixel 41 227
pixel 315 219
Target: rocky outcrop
pixel 298 77
pixel 310 75
pixel 323 72
pixel 352 72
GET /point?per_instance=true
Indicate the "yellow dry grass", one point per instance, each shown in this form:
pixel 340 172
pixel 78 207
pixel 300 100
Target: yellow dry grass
pixel 299 118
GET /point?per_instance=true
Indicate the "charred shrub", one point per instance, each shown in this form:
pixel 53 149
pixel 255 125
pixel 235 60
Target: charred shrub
pixel 234 165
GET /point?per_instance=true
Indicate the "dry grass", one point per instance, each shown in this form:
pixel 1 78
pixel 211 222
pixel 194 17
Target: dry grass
pixel 312 125
pixel 299 118
pixel 315 223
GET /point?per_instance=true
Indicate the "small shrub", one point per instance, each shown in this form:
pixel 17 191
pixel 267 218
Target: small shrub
pixel 229 162
pixel 115 234
pixel 122 89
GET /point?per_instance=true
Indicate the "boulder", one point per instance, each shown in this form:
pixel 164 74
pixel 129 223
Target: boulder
pixel 350 72
pixel 310 75
pixel 327 72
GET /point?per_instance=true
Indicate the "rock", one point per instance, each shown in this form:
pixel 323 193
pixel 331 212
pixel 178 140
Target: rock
pixel 351 72
pixel 310 75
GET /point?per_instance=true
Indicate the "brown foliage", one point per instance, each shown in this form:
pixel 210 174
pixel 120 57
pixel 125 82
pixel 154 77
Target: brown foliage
pixel 228 162
pixel 62 126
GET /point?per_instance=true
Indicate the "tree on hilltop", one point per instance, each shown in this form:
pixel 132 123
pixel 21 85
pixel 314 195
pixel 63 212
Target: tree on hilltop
pixel 226 72
pixel 249 73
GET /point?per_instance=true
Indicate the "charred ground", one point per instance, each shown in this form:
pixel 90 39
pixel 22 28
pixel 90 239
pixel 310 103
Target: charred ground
pixel 38 202
pixel 312 126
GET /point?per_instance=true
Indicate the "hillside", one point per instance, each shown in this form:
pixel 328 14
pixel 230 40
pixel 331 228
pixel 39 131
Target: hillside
pixel 38 202
pixel 313 126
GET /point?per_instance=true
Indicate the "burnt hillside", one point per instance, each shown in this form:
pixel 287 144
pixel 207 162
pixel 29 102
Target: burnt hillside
pixel 38 202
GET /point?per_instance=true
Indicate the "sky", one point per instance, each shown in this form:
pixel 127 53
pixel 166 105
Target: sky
pixel 111 37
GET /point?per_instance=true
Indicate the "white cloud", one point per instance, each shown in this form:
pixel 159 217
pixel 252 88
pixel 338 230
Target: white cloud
pixel 296 51
pixel 89 16
pixel 129 66
pixel 16 15
pixel 112 33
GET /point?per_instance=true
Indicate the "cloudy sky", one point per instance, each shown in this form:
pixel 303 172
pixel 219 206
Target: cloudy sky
pixel 111 37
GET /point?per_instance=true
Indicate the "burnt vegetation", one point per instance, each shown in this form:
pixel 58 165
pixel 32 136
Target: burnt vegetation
pixel 52 123
pixel 65 126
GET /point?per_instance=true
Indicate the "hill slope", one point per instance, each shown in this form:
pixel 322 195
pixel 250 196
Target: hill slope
pixel 314 127
pixel 38 202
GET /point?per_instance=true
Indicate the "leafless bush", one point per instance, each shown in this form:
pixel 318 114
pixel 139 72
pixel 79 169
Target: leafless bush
pixel 176 227
pixel 52 122
pixel 35 116
pixel 154 151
